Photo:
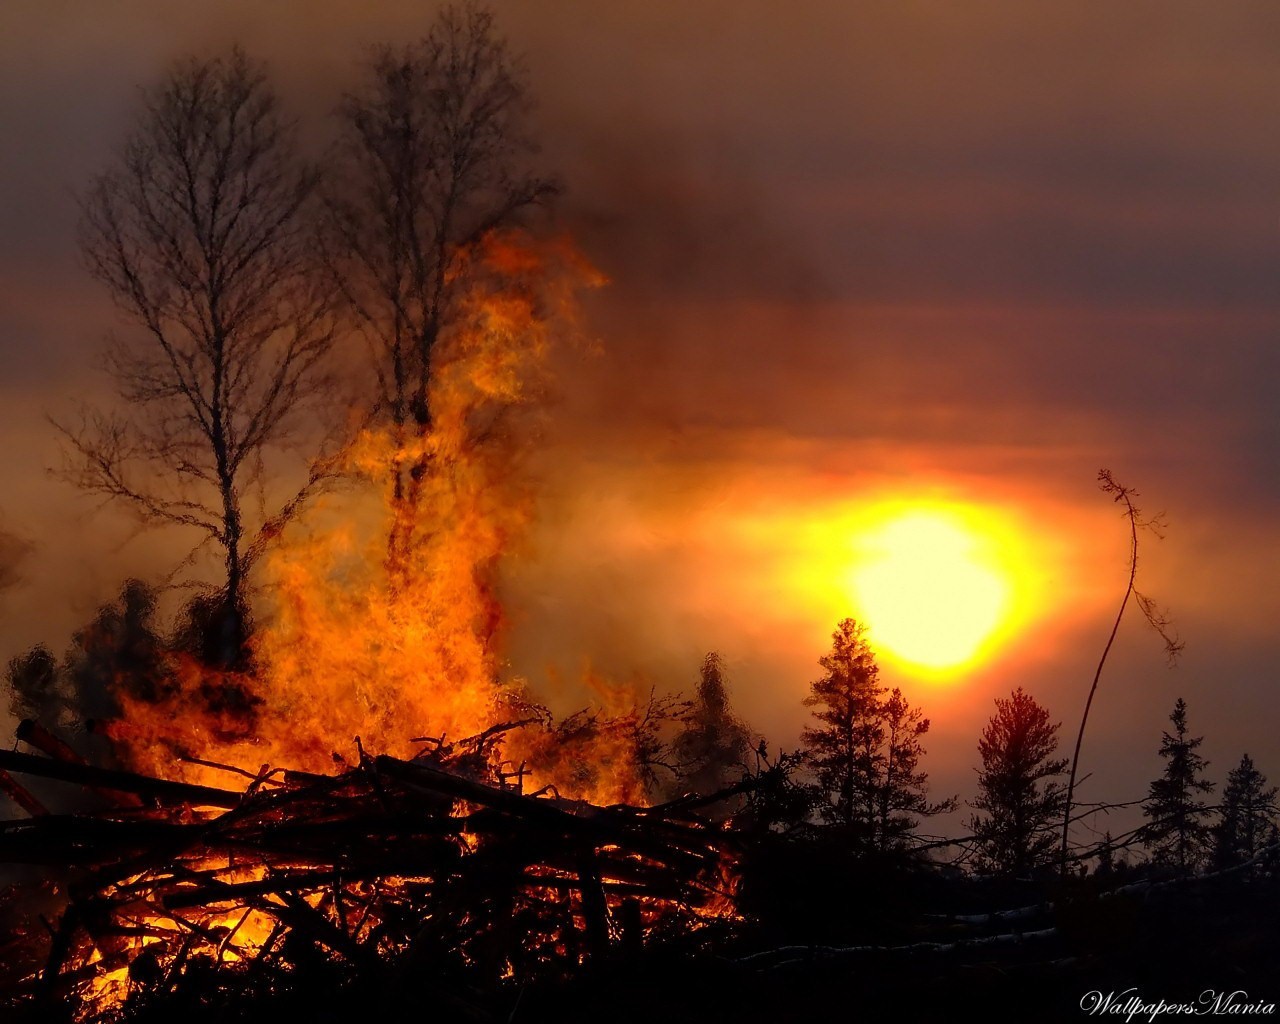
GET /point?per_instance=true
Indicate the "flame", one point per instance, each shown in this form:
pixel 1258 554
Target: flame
pixel 382 627
pixel 382 621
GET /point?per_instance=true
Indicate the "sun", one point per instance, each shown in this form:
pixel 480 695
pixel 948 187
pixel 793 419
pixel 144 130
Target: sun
pixel 937 584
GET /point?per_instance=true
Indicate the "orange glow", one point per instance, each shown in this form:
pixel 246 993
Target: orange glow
pixel 402 648
pixel 945 583
pixel 397 650
pixel 939 584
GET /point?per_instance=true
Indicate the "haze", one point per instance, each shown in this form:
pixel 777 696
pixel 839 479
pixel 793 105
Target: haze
pixel 975 252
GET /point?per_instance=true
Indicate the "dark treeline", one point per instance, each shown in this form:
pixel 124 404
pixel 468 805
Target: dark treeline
pixel 835 866
pixel 856 782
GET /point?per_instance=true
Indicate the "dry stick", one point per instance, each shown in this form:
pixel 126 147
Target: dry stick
pixel 1132 514
pixel 1121 494
pixel 258 777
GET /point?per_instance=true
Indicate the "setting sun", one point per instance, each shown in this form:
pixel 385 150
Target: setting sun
pixel 945 583
pixel 936 584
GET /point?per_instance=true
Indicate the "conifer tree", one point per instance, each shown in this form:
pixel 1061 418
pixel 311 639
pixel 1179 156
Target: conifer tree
pixel 1106 857
pixel 1019 806
pixel 865 751
pixel 1248 815
pixel 1177 831
pixel 843 750
pixel 903 788
pixel 713 747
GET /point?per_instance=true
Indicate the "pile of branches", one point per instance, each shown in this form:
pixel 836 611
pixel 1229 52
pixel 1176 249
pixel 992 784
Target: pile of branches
pixel 434 866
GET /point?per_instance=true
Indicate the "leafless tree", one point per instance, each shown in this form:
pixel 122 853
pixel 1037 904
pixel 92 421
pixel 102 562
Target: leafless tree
pixel 1150 611
pixel 200 233
pixel 432 157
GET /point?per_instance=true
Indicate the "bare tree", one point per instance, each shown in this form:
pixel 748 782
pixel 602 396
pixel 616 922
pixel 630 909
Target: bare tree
pixel 200 234
pixel 1150 611
pixel 431 159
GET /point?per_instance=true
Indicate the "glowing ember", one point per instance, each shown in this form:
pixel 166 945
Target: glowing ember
pixel 392 861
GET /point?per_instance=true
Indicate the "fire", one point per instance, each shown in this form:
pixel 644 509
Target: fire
pixel 381 618
pixel 391 861
pixel 382 632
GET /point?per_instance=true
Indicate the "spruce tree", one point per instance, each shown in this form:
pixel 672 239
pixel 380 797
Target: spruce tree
pixel 1019 806
pixel 1177 831
pixel 1247 815
pixel 866 749
pixel 713 748
pixel 903 788
pixel 844 750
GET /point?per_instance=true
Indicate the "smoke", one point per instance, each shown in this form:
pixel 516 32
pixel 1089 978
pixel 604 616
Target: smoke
pixel 850 248
pixel 14 553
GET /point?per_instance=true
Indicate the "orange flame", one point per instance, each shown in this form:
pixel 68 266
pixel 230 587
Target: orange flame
pixel 366 639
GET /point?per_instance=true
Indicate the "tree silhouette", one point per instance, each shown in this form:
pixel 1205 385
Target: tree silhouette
pixel 200 234
pixel 1018 805
pixel 34 690
pixel 713 747
pixel 866 751
pixel 901 792
pixel 1107 864
pixel 1177 831
pixel 1150 611
pixel 843 751
pixel 119 654
pixel 779 802
pixel 1247 815
pixel 431 160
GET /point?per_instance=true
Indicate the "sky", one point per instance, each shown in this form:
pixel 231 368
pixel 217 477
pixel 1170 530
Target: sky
pixel 855 251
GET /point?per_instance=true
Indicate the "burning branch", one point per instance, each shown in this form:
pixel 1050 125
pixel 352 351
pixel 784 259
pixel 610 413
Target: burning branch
pixel 389 861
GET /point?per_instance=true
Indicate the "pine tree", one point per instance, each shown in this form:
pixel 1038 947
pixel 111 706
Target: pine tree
pixel 1248 815
pixel 1106 857
pixel 844 751
pixel 866 751
pixel 902 790
pixel 1177 833
pixel 712 749
pixel 1016 830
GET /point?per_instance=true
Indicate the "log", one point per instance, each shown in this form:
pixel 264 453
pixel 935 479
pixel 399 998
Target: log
pixel 90 777
pixel 22 796
pixel 655 838
pixel 34 734
pixel 81 841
